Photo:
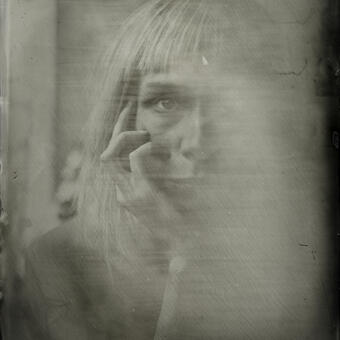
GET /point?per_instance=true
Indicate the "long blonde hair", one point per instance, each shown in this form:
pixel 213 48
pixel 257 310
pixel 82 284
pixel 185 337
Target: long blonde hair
pixel 159 34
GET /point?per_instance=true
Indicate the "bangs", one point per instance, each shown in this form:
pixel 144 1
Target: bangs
pixel 174 32
pixel 164 33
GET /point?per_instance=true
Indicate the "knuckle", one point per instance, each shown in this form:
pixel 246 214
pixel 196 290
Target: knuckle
pixel 121 138
pixel 140 152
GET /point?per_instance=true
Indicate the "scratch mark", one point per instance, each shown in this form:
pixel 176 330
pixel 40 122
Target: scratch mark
pixel 294 73
pixel 313 254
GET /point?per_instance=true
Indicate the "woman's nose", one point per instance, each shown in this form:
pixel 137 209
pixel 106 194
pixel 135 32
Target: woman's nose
pixel 195 137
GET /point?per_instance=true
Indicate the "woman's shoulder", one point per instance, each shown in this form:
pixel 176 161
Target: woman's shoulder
pixel 61 259
pixel 63 243
pixel 69 278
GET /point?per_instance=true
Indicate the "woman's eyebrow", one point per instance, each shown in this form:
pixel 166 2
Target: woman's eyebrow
pixel 164 86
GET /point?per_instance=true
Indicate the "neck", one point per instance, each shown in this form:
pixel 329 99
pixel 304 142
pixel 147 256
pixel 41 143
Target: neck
pixel 141 244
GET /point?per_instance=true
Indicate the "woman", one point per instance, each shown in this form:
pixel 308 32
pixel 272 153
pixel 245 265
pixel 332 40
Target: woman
pixel 190 206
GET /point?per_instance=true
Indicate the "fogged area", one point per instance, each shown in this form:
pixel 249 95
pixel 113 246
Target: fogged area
pixel 170 177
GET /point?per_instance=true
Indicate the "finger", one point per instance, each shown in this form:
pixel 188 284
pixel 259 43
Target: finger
pixel 121 124
pixel 123 120
pixel 126 142
pixel 140 160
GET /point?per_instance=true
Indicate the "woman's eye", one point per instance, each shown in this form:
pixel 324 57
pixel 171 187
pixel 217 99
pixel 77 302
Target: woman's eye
pixel 166 105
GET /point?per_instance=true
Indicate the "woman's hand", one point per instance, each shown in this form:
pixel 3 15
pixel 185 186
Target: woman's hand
pixel 136 170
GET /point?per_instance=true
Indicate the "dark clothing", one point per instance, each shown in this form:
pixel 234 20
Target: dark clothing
pixel 70 294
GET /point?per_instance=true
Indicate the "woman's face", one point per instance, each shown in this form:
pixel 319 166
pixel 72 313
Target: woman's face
pixel 180 110
pixel 205 119
pixel 206 122
pixel 226 126
pixel 249 134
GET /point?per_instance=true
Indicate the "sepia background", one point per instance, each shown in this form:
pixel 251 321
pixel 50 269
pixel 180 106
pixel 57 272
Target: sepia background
pixel 53 46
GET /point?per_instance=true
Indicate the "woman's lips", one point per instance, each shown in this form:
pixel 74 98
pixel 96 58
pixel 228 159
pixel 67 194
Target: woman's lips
pixel 181 182
pixel 184 191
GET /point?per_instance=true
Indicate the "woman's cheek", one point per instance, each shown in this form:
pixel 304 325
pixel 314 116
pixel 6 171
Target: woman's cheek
pixel 152 122
pixel 163 127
